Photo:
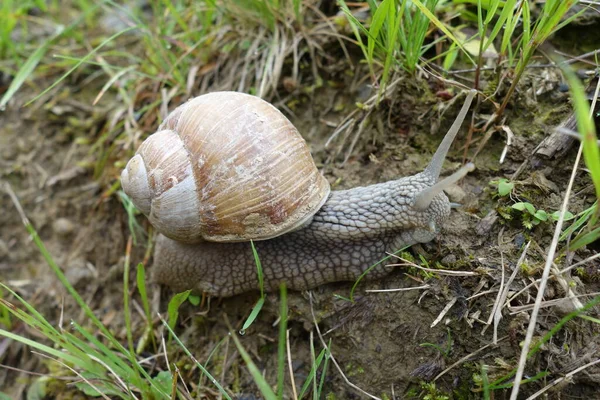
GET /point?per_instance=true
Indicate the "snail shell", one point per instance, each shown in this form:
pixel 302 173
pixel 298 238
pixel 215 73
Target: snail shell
pixel 225 166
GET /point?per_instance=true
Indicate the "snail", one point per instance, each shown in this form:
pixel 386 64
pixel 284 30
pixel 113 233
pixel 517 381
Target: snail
pixel 225 168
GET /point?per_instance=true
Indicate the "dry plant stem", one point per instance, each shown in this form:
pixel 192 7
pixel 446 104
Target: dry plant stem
pixel 547 303
pixel 337 366
pixel 559 380
pixel 289 355
pixel 587 260
pixel 494 312
pixel 503 294
pixel 444 312
pixel 397 289
pixel 465 358
pixel 563 283
pixel 545 274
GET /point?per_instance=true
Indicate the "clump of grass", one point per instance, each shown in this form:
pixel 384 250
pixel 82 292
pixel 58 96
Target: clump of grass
pixel 105 366
pixel 13 14
pixel 163 56
pixel 395 36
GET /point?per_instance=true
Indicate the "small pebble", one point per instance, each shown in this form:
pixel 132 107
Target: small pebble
pixel 455 193
pixel 519 240
pixel 63 227
pixel 77 272
pixel 449 259
pixel 563 87
pixel 4 251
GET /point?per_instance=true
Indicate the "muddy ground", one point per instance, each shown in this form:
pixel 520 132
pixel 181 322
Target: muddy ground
pixel 377 340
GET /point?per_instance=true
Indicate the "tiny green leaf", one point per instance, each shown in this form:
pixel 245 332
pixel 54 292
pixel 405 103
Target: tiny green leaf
pixel 556 214
pixel 505 187
pixel 541 215
pixel 195 300
pixel 522 206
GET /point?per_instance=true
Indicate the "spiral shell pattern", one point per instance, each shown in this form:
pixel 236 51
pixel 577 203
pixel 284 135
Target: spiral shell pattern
pixel 225 166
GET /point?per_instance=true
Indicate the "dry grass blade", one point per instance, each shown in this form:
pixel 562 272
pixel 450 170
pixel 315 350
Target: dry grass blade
pixel 397 289
pixel 444 312
pixel 562 378
pixel 580 263
pixel 291 369
pixel 496 313
pixel 467 357
pixel 337 366
pixel 434 270
pixel 549 303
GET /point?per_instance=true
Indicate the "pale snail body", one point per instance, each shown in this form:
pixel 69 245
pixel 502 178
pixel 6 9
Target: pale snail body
pixel 333 237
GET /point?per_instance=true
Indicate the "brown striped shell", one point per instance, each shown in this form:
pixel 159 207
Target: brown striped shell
pixel 225 166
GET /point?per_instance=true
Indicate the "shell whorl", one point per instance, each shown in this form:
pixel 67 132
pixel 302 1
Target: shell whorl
pixel 225 166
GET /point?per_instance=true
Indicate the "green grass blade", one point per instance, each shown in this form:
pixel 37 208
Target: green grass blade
pixel 500 23
pixel 585 239
pixel 260 381
pixel 87 56
pixel 41 347
pixel 261 282
pixel 324 371
pixel 259 270
pixel 126 310
pixel 173 308
pixel 254 313
pixel 369 270
pixel 141 286
pixel 381 14
pixel 586 128
pixel 441 26
pixel 33 60
pixel 191 356
pixel 311 375
pixel 27 69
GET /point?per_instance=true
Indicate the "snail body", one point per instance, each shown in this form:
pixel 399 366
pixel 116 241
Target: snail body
pixel 305 234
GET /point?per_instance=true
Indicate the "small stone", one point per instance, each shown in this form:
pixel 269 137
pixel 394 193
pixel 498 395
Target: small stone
pixel 77 272
pixel 4 251
pixel 63 227
pixel 519 240
pixel 449 259
pixel 486 224
pixel 455 193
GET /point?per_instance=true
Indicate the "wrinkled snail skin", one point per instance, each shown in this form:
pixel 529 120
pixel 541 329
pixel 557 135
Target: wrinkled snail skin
pixel 353 230
pixel 226 168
